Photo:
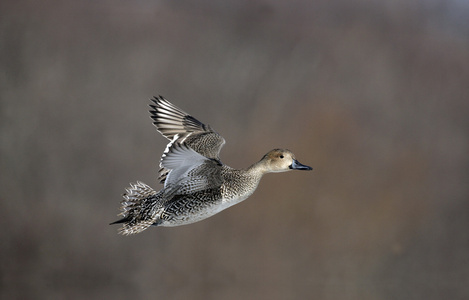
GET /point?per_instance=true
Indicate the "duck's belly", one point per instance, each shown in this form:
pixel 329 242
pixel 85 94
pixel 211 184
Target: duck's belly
pixel 187 209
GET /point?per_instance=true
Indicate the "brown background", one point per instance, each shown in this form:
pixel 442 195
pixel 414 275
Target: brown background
pixel 373 94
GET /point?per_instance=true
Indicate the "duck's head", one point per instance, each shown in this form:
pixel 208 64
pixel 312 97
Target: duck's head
pixel 281 160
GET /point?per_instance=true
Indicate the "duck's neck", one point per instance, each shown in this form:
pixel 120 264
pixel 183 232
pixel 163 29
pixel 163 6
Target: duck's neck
pixel 240 184
pixel 258 169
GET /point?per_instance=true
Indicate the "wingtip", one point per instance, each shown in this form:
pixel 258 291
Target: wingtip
pixel 157 99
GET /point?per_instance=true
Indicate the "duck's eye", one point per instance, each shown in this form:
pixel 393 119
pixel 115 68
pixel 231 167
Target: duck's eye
pixel 281 156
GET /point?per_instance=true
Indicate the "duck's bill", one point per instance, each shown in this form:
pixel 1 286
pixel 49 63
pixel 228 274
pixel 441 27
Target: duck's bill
pixel 296 165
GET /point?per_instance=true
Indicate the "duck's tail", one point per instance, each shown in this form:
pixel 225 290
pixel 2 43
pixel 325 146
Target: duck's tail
pixel 138 209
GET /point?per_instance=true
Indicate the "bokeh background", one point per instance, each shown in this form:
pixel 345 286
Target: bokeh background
pixel 373 94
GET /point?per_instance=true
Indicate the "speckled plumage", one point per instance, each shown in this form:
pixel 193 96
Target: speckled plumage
pixel 197 184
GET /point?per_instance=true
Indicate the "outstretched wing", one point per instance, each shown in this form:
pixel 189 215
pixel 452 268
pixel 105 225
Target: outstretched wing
pixel 180 127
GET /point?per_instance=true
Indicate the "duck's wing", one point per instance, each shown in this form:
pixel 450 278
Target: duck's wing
pixel 180 127
pixel 189 171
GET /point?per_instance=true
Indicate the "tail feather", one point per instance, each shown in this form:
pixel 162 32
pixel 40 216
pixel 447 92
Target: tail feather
pixel 138 209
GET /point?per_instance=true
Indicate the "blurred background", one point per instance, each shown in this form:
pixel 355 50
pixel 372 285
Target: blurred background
pixel 372 94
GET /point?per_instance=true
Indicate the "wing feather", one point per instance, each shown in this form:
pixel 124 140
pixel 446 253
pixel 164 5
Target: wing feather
pixel 180 127
pixel 189 171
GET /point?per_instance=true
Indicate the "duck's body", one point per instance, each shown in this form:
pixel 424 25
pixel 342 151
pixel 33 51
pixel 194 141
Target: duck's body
pixel 196 184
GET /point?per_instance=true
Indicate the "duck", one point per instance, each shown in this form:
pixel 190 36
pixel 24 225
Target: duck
pixel 196 184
